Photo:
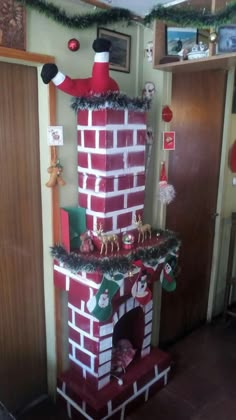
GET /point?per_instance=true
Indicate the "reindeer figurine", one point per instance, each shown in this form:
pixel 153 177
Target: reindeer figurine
pixel 143 230
pixel 107 239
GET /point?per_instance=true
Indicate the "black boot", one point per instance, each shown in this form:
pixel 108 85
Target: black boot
pixel 101 45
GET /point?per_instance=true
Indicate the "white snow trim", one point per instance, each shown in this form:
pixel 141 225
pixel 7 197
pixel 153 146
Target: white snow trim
pixel 58 79
pixel 101 57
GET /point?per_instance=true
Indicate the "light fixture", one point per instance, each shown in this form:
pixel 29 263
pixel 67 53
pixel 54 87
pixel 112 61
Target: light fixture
pixel 213 37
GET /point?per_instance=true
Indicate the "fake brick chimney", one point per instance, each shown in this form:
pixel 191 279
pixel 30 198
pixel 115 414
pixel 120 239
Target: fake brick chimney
pixel 111 167
pixel 111 179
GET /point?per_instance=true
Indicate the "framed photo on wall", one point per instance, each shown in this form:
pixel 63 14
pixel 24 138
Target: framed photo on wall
pixel 120 49
pixel 12 24
pixel 180 38
pixel 226 39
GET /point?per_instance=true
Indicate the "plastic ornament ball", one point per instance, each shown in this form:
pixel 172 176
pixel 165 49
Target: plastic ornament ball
pixel 73 44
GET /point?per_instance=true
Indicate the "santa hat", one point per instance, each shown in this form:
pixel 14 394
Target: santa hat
pixel 166 191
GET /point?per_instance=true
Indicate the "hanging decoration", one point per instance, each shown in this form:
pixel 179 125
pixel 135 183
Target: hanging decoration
pixel 100 305
pixel 232 158
pixel 167 276
pixel 166 191
pixel 167 114
pixel 73 44
pixel 55 171
pixel 99 82
pixel 171 15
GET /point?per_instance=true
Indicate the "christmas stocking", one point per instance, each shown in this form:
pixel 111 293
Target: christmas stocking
pixel 140 291
pixel 100 305
pixel 167 278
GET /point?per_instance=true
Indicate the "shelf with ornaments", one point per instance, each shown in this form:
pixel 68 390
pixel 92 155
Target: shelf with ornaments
pixel 211 62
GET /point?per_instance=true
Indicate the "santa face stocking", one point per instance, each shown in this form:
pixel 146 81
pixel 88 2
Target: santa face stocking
pixel 167 278
pixel 100 305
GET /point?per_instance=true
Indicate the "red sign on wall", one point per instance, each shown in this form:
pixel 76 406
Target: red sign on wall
pixel 169 140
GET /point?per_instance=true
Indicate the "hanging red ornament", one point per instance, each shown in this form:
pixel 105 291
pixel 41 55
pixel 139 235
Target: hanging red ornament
pixel 166 191
pixel 167 114
pixel 73 44
pixel 232 158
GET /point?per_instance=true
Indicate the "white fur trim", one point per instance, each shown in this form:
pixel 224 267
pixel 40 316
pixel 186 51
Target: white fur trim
pixel 58 79
pixel 102 57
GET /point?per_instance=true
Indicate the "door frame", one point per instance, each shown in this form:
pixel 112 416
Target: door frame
pixel 49 197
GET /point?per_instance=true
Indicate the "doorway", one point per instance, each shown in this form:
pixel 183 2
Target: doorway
pixel 198 101
pixel 23 370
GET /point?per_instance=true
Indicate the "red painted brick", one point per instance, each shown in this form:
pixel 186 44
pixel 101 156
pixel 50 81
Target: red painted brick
pixel 136 159
pixel 100 204
pixel 79 138
pixel 141 137
pixel 125 138
pixel 78 292
pixel 91 345
pixel 70 314
pixel 99 117
pixel 74 336
pixel 95 276
pixel 83 159
pixel 82 322
pixel 124 220
pixel 83 200
pixel 83 357
pixel 107 162
pixel 59 280
pixel 136 117
pixel 115 116
pixel 89 138
pixel 106 139
pixel 107 223
pixel 90 182
pixel 89 222
pixel 80 179
pixel 136 199
pixel 82 117
pixel 106 184
pixel 141 178
pixel 125 182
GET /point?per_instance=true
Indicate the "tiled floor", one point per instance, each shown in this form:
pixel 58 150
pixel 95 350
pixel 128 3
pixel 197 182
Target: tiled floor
pixel 203 386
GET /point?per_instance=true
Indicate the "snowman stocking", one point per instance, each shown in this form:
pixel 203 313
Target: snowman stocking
pixel 100 305
pixel 140 291
pixel 167 277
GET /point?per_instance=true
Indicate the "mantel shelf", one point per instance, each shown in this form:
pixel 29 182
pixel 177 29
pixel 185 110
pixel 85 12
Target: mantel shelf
pixel 216 62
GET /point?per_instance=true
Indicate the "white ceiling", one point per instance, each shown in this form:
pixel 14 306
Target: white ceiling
pixel 140 7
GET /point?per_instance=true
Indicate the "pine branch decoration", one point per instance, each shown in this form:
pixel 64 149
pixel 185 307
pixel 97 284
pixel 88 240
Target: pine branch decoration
pixel 77 262
pixel 111 100
pixel 179 16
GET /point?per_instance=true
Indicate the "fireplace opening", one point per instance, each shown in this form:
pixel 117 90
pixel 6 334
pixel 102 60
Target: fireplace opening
pixel 128 337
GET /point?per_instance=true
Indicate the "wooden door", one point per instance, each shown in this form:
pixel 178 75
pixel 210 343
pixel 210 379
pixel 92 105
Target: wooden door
pixel 198 112
pixel 22 322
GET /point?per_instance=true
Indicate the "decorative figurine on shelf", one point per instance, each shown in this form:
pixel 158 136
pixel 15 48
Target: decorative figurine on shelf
pixel 55 171
pixel 107 239
pixel 99 82
pixel 86 242
pixel 143 230
pixel 166 191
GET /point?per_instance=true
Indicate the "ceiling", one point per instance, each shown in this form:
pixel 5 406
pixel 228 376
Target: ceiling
pixel 140 7
pixel 143 7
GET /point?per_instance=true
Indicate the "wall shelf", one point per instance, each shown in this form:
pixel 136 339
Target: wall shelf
pixel 214 62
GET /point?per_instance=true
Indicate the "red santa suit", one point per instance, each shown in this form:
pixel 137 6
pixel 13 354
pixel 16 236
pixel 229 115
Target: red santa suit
pixel 99 82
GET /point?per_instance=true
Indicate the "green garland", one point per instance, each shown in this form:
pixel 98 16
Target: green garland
pixel 84 21
pixel 171 15
pixel 192 17
pixel 111 100
pixel 88 263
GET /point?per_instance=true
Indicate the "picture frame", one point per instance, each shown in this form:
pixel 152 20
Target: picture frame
pixel 12 25
pixel 180 38
pixel 120 50
pixel 226 39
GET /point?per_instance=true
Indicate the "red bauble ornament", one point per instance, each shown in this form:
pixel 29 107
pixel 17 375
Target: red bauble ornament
pixel 167 114
pixel 73 44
